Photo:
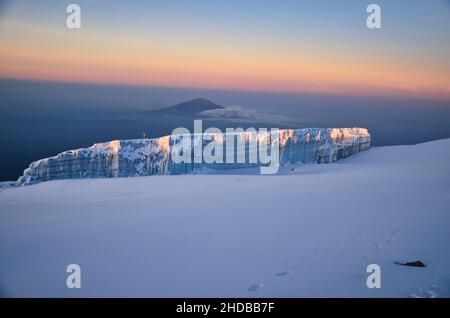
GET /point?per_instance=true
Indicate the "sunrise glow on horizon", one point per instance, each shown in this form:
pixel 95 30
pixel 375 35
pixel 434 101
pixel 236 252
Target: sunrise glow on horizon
pixel 257 45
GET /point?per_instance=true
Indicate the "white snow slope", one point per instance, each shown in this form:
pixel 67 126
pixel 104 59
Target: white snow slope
pixel 302 233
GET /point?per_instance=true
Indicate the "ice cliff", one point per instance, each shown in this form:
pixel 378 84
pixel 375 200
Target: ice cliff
pixel 144 157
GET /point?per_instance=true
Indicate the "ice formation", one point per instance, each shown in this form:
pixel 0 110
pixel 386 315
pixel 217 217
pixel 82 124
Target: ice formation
pixel 144 157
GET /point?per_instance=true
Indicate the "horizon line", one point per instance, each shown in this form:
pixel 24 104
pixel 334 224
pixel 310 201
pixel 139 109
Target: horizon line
pixel 394 93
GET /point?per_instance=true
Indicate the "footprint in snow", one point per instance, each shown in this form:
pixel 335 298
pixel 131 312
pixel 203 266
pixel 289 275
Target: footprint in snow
pixel 340 245
pixel 378 247
pixel 255 287
pixel 387 238
pixel 289 264
pixel 440 289
pixel 285 273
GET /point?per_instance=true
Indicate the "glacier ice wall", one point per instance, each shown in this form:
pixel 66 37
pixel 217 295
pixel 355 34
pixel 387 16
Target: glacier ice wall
pixel 144 157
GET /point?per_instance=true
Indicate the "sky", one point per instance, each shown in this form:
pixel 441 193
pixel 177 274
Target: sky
pixel 314 46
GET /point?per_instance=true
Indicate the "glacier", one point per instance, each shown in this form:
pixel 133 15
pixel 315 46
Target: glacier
pixel 145 157
pixel 307 232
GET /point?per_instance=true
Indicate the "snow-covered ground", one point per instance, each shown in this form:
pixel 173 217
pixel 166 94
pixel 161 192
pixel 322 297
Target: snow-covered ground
pixel 311 230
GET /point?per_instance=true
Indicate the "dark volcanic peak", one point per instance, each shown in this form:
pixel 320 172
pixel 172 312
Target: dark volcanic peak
pixel 192 107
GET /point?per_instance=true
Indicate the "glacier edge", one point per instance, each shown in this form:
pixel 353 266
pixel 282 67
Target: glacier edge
pixel 144 157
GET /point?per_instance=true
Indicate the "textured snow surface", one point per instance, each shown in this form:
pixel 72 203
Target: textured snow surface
pixel 311 230
pixel 143 157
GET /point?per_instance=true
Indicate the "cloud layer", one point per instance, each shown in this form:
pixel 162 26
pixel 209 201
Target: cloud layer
pixel 237 113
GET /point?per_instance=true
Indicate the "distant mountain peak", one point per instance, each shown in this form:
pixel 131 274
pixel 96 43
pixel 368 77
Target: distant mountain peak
pixel 190 108
pixel 201 101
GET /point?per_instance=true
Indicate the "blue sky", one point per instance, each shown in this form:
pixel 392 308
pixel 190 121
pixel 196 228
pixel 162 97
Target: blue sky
pixel 412 45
